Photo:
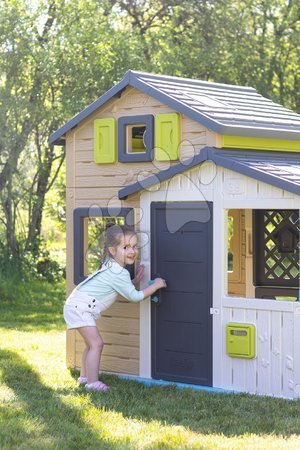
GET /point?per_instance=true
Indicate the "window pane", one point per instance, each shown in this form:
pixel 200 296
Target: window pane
pixel 135 138
pixel 229 252
pixel 96 238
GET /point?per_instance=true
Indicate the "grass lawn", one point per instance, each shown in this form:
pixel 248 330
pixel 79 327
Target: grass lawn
pixel 42 408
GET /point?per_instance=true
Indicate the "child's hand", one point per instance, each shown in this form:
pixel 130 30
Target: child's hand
pixel 160 283
pixel 139 274
pixel 153 286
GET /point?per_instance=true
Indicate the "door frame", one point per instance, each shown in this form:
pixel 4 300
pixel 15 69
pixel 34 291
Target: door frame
pixel 186 193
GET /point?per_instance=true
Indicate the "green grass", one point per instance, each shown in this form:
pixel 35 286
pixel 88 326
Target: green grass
pixel 41 406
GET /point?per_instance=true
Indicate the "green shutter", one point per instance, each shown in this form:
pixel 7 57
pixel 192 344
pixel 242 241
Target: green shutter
pixel 105 141
pixel 167 137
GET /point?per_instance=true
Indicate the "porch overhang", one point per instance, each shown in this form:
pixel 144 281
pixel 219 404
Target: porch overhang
pixel 279 169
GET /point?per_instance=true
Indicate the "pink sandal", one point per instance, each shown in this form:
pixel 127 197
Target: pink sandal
pixel 96 386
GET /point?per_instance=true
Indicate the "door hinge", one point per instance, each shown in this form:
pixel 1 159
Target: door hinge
pixel 214 311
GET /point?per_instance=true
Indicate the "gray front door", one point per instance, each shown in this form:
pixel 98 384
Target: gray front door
pixel 181 252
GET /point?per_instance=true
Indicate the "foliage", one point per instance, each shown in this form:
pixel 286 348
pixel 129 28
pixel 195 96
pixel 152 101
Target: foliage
pixel 30 268
pixel 42 408
pixel 56 57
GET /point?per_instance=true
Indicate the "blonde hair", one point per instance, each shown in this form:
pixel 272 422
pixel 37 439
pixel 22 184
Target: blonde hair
pixel 113 237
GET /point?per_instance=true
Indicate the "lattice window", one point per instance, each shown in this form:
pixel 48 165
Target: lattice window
pixel 276 259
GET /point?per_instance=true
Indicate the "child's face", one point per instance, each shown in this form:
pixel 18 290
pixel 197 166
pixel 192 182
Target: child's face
pixel 126 251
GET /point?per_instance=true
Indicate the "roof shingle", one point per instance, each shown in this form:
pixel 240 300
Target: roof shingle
pixel 279 169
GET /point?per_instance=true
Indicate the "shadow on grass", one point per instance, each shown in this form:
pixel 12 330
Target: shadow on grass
pixel 203 412
pixel 47 420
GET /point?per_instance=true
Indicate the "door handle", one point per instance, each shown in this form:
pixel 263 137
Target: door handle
pixel 154 298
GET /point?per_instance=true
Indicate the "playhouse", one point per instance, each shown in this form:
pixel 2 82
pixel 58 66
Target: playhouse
pixel 209 176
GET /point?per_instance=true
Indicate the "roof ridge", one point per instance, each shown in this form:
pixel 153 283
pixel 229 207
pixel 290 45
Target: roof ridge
pixel 138 73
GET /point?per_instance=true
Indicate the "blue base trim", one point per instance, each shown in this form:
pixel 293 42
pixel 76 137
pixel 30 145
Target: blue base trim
pixel 196 387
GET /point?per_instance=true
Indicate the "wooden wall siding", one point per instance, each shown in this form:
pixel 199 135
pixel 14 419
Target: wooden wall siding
pixel 90 184
pixel 273 371
pixel 119 328
pixel 70 204
pixel 237 278
pixel 88 174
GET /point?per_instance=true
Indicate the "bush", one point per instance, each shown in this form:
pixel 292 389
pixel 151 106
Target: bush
pixel 49 269
pixel 31 267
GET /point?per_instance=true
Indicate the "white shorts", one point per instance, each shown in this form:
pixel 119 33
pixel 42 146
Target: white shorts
pixel 81 310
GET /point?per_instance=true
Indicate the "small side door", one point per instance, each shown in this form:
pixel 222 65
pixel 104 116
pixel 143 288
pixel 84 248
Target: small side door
pixel 181 252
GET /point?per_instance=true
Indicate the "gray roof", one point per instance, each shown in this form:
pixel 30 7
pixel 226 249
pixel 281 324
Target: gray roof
pixel 223 108
pixel 280 169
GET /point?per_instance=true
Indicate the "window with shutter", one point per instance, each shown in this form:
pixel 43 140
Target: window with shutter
pixel 135 138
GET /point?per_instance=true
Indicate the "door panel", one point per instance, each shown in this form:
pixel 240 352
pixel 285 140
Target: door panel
pixel 181 252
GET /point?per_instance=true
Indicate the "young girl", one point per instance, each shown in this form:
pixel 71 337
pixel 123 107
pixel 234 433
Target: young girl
pixel 98 292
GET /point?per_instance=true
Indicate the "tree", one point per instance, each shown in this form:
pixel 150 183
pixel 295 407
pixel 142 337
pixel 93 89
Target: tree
pixel 57 56
pixel 52 64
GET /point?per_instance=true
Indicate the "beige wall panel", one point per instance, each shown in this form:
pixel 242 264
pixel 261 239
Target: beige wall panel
pixel 121 351
pixel 132 353
pixel 102 197
pixel 86 155
pixel 70 204
pixel 189 126
pixel 136 98
pixel 141 110
pixel 196 140
pixel 130 340
pixel 121 366
pixel 70 160
pixel 121 107
pixel 103 203
pixel 96 193
pixel 85 145
pixel 124 309
pixel 110 338
pixel 101 181
pixel 115 365
pixel 119 325
pixel 89 168
pixel 85 130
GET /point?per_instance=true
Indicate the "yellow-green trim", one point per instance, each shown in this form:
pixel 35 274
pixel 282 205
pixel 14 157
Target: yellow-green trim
pixel 105 148
pixel 167 137
pixel 256 143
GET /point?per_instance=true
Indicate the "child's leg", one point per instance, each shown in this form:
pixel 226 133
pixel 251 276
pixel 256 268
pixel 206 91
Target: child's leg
pixel 94 349
pixel 83 362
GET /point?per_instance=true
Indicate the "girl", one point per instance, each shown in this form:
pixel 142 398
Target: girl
pixel 98 292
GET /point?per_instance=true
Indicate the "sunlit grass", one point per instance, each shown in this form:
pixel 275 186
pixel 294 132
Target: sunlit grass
pixel 41 406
